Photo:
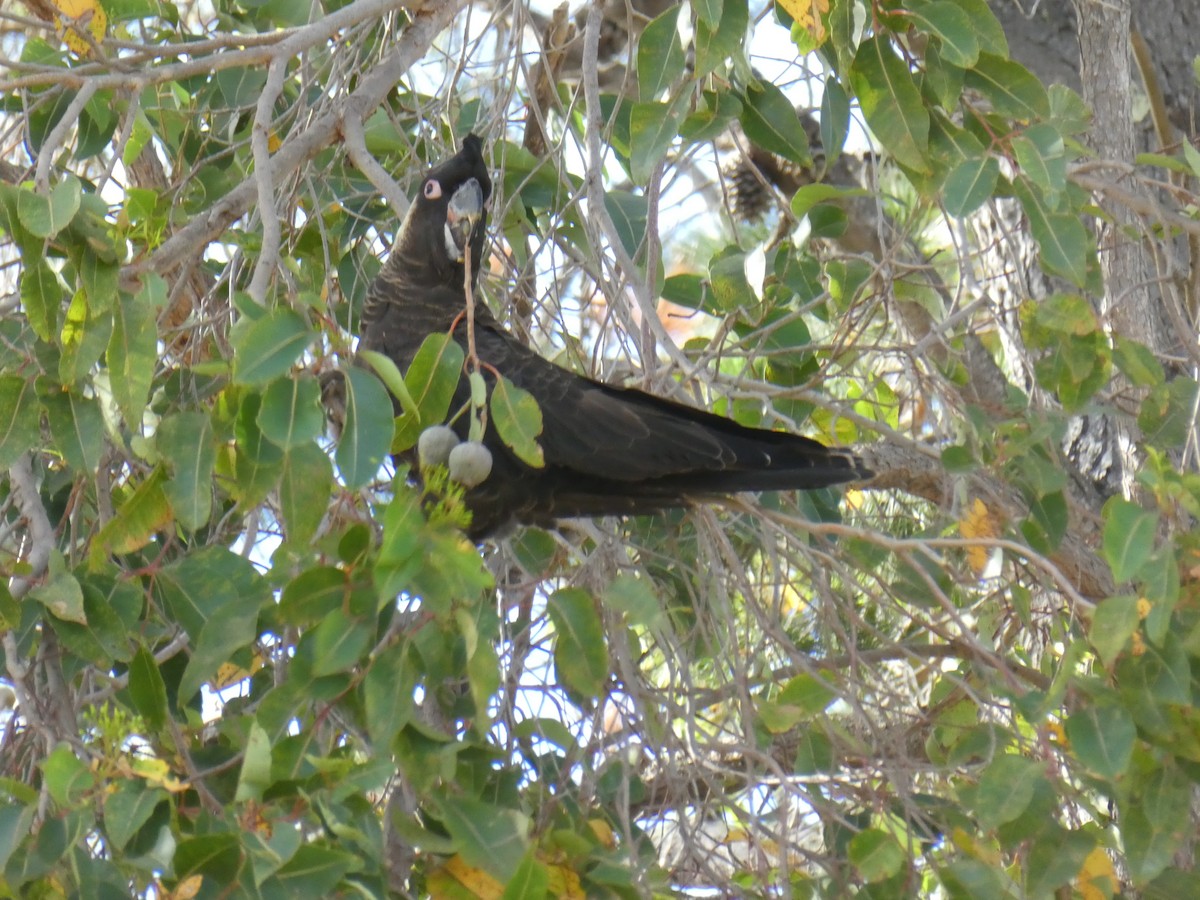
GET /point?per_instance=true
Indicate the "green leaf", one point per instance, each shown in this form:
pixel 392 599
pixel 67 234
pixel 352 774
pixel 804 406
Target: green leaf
pixel 16 824
pixel 1113 622
pixel 339 642
pixel 1165 799
pixel 432 379
pixel 970 184
pixel 258 463
pixel 966 877
pixel 268 347
pixel 100 280
pixel 77 428
pixel 68 778
pixel 811 694
pixel 102 637
pixel 291 412
pixel 727 281
pixel 1041 154
pixel 518 421
pixel 483 676
pixel 811 194
pixel 770 121
pixel 629 215
pixel 712 116
pixel 61 594
pixel 315 871
pixel 133 356
pixel 19 426
pixel 635 598
pixel 1137 362
pixel 1166 416
pixel 814 753
pixel 660 59
pixel 216 596
pixel 716 43
pixel 367 431
pixel 876 854
pixel 1192 156
pixel 1128 538
pixel 187 442
pixel 255 775
pixel 239 86
pixel 531 879
pixel 1049 511
pixel 1102 739
pixel 143 513
pixel 957 458
pixel 653 127
pixel 10 610
pixel 1068 112
pixel 1148 849
pixel 1011 88
pixel 1063 243
pixel 147 689
pixel 708 11
pixel 1056 856
pixel 45 216
pixel 215 855
pixel 580 650
pixel 128 808
pixel 1006 788
pixel 891 102
pixel 835 119
pixel 489 837
pixel 218 640
pixel 388 695
pixel 949 23
pixel 85 337
pixel 304 488
pixel 389 373
pixel 41 296
pixel 312 595
pixel 988 30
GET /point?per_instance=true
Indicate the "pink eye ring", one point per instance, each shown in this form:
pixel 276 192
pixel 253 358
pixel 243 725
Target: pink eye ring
pixel 433 190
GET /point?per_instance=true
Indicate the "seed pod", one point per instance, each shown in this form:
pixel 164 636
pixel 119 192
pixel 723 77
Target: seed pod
pixel 435 444
pixel 470 463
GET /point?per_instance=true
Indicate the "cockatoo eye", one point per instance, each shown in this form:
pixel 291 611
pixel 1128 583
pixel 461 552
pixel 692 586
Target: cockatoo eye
pixel 433 190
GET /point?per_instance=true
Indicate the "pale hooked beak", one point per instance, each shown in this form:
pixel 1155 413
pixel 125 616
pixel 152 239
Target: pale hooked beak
pixel 462 215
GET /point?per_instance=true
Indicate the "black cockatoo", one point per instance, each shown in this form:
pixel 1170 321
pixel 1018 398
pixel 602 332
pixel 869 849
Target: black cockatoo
pixel 608 451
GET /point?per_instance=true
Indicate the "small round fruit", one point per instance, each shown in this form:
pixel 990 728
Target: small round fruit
pixel 470 463
pixel 435 444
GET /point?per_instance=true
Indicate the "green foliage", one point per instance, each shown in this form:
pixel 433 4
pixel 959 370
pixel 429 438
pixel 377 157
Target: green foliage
pixel 240 658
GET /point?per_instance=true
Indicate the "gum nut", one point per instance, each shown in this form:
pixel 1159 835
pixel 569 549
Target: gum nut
pixel 470 463
pixel 435 444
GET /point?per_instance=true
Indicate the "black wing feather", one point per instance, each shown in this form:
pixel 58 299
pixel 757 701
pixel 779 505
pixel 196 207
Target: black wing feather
pixel 608 451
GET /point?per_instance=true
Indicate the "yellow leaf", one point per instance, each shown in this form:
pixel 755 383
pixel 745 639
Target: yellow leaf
pixel 564 883
pixel 188 888
pixel 603 832
pixel 1097 880
pixel 807 14
pixel 477 881
pixel 227 674
pixel 978 523
pixel 1056 733
pixel 79 17
pixel 1137 644
pixel 156 771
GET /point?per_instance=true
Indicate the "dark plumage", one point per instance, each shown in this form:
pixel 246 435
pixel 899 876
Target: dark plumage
pixel 608 451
